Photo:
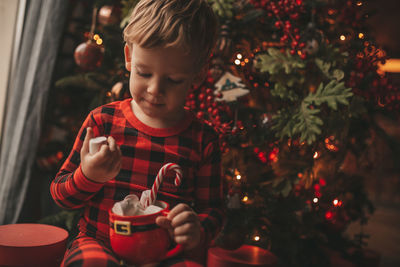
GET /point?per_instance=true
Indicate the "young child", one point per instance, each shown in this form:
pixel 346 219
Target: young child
pixel 168 44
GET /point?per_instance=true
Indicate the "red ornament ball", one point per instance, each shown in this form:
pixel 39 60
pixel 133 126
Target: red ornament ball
pixel 109 15
pixel 89 55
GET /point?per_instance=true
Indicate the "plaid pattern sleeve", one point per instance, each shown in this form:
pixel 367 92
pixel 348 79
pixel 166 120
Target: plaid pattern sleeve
pixel 71 189
pixel 190 144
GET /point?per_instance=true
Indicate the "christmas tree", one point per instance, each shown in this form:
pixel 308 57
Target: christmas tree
pixel 292 90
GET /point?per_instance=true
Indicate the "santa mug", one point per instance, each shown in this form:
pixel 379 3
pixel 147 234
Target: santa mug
pixel 139 240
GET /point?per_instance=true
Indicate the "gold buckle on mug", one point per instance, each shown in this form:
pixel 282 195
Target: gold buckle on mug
pixel 122 227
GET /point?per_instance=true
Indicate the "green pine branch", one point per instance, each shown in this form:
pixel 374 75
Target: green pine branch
pixel 284 93
pixel 308 124
pixel 274 61
pixel 332 94
pixel 304 121
pixel 326 69
pixel 283 68
pixel 223 8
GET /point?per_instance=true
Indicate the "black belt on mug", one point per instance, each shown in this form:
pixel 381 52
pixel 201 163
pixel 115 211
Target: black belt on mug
pixel 126 228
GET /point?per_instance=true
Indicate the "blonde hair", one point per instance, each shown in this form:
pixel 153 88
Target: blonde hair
pixel 187 24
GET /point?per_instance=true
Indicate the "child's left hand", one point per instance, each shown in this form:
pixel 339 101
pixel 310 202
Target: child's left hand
pixel 183 224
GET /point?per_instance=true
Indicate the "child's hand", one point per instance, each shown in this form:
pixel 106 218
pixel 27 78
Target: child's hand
pixel 103 165
pixel 183 225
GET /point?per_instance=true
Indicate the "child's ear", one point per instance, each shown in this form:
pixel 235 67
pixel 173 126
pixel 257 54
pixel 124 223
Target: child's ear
pixel 201 75
pixel 128 58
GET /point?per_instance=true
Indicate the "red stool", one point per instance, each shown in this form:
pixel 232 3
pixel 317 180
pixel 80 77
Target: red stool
pixel 32 245
pixel 245 256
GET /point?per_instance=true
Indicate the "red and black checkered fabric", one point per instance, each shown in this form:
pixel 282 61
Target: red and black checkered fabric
pixel 87 251
pixel 192 145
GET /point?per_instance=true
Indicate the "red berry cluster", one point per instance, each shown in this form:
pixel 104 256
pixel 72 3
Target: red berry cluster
pixel 286 13
pixel 203 102
pixel 265 157
pixel 366 82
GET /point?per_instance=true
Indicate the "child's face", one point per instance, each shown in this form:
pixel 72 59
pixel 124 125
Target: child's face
pixel 159 81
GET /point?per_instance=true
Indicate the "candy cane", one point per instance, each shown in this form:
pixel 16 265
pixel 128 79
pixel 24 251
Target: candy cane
pixel 148 198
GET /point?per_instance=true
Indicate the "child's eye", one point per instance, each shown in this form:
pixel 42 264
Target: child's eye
pixel 175 80
pixel 146 75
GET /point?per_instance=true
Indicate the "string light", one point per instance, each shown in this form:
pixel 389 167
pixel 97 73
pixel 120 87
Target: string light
pixel 315 200
pixel 245 198
pixel 237 62
pixel 328 215
pixel 359 3
pixel 361 35
pixel 238 177
pixel 337 202
pixel 273 156
pixel 256 238
pixel 331 144
pixel 342 37
pixel 239 56
pixel 316 155
pixel 98 39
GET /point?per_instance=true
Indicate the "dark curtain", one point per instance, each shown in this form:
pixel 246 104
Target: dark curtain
pixel 26 102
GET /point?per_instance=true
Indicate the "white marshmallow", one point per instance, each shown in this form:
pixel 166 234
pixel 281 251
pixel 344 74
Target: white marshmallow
pixel 131 206
pixel 96 143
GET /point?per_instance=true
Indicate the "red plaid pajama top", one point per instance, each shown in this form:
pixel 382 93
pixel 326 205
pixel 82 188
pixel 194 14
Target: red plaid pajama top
pixel 191 144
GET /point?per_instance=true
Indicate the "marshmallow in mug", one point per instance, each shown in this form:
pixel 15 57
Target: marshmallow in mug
pixel 131 206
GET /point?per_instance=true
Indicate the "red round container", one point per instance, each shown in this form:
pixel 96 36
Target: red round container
pixel 32 245
pixel 245 256
pixel 138 240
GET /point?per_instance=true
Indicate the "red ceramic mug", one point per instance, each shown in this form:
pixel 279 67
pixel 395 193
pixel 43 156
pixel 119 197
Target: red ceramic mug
pixel 139 240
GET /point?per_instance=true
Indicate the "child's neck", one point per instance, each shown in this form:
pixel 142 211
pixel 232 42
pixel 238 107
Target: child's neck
pixel 155 122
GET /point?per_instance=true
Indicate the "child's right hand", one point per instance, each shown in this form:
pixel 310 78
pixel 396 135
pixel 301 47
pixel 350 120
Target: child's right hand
pixel 103 165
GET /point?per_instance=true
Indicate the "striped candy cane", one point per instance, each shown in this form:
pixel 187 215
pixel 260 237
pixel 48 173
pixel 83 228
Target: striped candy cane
pixel 148 198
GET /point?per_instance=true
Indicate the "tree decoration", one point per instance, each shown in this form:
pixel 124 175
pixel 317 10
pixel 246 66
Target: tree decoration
pixel 109 15
pixel 89 55
pixel 231 88
pixel 313 39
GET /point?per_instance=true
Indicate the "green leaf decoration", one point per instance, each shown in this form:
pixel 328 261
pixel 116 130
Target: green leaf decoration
pixel 274 61
pixel 338 74
pixel 331 94
pixel 307 124
pixel 326 67
pixel 283 123
pixel 323 66
pixel 281 91
pixel 223 8
pixel 304 121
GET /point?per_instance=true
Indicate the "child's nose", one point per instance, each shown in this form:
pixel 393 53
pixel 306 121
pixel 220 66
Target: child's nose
pixel 155 87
